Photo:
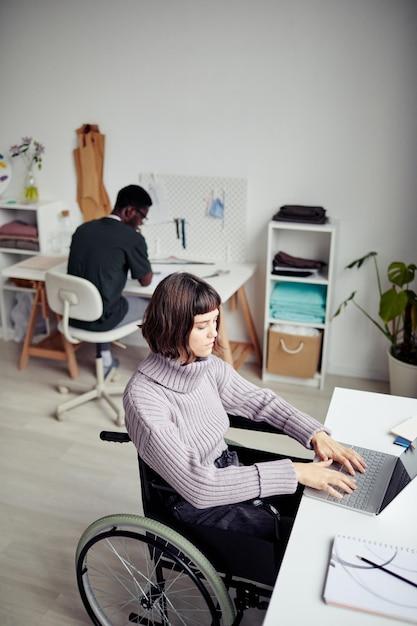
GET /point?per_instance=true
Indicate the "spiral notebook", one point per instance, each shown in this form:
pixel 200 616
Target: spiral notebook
pixel 372 577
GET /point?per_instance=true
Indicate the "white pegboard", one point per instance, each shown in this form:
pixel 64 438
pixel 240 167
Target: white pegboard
pixel 188 198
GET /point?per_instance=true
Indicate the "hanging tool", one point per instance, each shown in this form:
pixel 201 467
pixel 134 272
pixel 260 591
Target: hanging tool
pixel 217 273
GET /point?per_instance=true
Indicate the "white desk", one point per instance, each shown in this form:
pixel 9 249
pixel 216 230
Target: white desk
pixel 230 287
pixel 362 418
pixel 226 285
pixel 31 272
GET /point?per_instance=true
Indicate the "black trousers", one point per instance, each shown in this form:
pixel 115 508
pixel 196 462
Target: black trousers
pixel 267 518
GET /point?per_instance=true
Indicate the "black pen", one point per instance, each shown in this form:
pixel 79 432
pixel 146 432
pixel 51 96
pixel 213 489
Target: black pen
pixel 388 571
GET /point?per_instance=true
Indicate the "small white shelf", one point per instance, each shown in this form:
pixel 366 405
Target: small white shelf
pixel 309 241
pixel 46 216
pixel 320 279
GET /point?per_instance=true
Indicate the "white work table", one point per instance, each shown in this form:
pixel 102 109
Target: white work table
pixel 229 285
pixel 226 284
pixel 365 419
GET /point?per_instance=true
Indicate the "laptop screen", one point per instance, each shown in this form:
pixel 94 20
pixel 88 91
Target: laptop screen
pixel 405 470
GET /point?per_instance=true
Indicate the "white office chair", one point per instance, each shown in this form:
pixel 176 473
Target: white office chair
pixel 74 297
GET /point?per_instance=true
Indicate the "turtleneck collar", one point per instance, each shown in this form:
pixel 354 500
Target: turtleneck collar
pixel 172 374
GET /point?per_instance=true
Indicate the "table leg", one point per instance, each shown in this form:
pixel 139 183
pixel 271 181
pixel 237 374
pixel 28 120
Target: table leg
pixel 37 301
pixel 250 325
pixel 236 352
pixel 224 340
pixel 54 346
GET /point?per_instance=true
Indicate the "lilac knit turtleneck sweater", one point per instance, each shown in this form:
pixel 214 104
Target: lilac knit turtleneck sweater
pixel 177 418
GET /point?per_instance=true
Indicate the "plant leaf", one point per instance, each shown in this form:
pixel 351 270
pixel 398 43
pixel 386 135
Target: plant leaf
pixel 359 262
pixel 392 304
pixel 344 303
pixel 400 274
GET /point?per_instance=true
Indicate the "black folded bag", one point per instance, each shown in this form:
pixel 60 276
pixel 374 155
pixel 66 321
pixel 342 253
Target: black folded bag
pixel 301 213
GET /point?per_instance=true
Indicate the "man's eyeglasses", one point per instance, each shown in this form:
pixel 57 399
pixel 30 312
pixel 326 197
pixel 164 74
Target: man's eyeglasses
pixel 143 215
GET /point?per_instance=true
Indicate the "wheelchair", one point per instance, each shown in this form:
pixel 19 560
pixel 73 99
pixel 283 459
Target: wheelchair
pixel 156 572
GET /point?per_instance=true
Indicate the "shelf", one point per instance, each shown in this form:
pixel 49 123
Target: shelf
pixel 319 279
pixel 23 251
pixel 9 285
pixel 46 216
pixel 13 205
pixel 275 320
pixel 291 380
pixel 329 226
pixel 309 241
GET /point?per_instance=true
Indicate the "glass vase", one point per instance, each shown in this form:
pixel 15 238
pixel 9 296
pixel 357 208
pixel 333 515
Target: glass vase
pixel 30 187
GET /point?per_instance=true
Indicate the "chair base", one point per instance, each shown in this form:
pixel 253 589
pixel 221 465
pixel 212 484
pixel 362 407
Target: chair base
pixel 102 389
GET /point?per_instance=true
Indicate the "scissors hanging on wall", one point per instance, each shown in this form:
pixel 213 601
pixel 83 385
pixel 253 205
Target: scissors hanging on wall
pixel 180 229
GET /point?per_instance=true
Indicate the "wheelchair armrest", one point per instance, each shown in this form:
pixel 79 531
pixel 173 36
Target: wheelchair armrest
pixel 115 437
pixel 237 421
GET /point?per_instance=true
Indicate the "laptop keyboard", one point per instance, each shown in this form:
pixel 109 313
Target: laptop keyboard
pixel 360 498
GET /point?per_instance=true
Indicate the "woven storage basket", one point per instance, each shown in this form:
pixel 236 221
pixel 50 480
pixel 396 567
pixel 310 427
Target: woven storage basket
pixel 293 355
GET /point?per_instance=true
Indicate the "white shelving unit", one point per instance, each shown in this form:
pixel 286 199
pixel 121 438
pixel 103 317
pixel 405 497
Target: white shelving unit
pixel 308 241
pixel 46 215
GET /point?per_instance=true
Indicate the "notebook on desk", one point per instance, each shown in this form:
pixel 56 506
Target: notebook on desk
pixel 385 476
pixel 374 577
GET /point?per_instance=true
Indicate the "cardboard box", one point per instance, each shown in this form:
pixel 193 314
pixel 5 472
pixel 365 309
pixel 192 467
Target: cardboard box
pixel 293 355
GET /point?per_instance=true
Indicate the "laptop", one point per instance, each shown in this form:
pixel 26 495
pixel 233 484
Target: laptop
pixel 385 476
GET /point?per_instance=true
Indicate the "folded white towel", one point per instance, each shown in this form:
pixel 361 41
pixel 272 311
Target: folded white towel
pixel 305 331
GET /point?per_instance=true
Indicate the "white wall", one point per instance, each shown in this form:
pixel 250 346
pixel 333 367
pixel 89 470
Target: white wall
pixel 314 101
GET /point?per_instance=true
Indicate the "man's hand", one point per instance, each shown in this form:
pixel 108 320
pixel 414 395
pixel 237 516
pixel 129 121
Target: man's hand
pixel 146 280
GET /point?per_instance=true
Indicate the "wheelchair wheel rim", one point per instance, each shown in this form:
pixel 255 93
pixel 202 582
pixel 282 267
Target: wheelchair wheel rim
pixel 136 570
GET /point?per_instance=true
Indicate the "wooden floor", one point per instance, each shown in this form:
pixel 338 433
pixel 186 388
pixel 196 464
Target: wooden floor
pixel 58 477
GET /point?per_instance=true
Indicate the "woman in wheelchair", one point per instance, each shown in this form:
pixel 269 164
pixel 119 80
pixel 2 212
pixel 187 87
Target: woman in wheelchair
pixel 177 407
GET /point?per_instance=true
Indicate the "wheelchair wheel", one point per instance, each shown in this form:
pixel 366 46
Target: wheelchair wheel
pixel 135 570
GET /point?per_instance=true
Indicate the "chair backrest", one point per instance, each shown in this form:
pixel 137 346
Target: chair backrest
pixel 77 296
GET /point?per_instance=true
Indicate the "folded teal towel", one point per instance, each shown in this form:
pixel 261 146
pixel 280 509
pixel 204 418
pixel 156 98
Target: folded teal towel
pixel 299 302
pixel 299 293
pixel 307 317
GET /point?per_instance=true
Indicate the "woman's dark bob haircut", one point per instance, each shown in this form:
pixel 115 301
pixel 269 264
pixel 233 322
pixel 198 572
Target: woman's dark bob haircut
pixel 169 318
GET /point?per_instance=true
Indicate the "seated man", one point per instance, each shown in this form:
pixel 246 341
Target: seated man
pixel 103 251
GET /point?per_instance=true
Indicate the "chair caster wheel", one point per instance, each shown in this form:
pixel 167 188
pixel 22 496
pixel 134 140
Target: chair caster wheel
pixel 63 389
pixel 61 417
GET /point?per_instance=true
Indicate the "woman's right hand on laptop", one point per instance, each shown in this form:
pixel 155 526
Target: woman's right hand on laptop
pixel 319 475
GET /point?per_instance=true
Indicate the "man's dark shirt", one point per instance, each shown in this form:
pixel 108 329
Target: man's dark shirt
pixel 102 251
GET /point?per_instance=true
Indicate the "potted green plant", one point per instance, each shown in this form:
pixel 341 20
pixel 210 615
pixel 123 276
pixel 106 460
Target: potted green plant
pixel 397 319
